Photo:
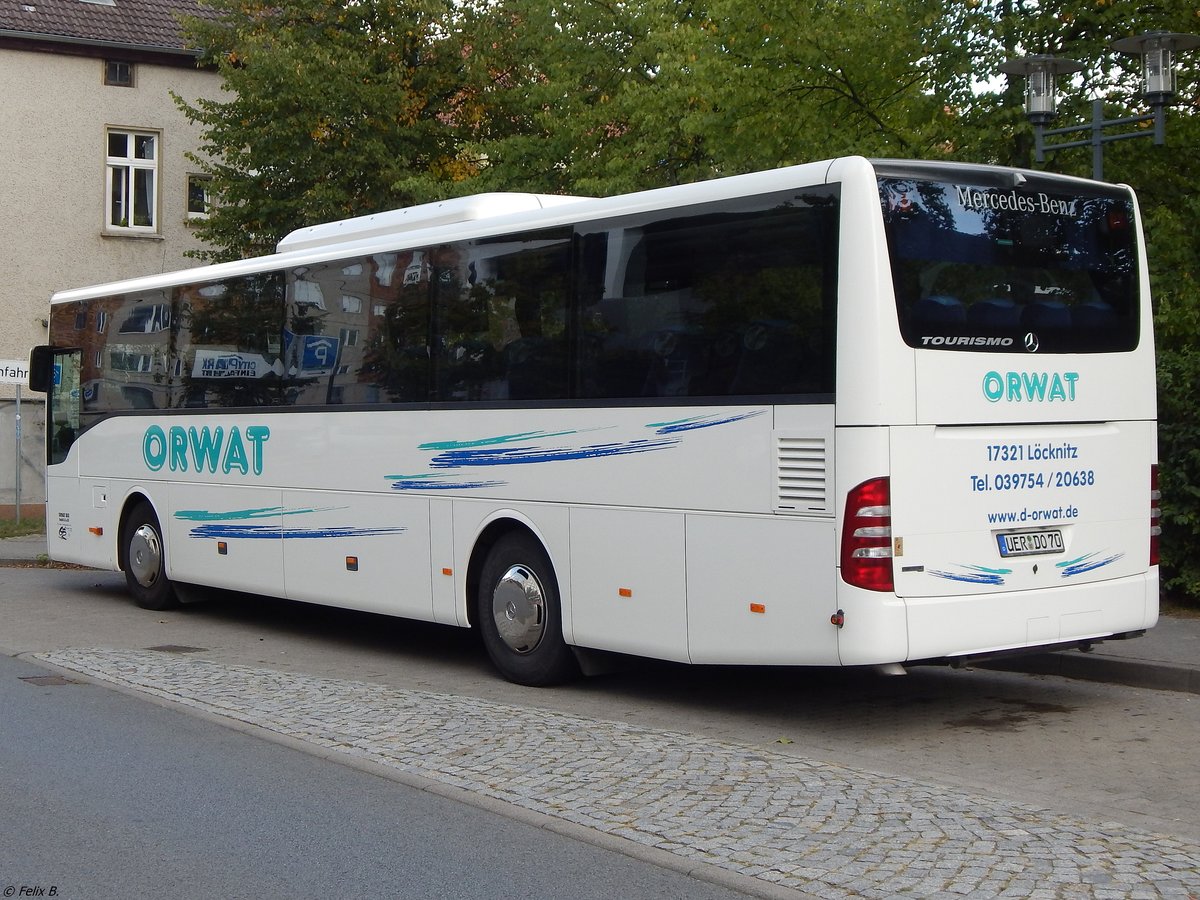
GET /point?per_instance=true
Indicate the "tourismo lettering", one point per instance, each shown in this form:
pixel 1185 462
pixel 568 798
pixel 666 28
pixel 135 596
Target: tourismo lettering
pixel 1030 387
pixel 205 449
pixel 965 341
pixel 972 198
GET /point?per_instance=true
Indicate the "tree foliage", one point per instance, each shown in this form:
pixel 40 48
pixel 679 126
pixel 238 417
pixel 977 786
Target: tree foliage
pixel 332 109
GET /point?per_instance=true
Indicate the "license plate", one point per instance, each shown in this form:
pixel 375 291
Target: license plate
pixel 1030 543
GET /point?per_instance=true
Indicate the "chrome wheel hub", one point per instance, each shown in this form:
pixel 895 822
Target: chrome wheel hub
pixel 519 609
pixel 145 556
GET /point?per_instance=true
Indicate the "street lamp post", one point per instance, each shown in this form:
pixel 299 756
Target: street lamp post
pixel 1157 49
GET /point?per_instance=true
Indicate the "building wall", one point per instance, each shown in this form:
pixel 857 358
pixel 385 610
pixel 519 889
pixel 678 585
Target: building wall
pixel 53 127
pixel 54 122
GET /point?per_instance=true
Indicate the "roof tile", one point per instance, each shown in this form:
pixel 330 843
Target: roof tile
pixel 138 23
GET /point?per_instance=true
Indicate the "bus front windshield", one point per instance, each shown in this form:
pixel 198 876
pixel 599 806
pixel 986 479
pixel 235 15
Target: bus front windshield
pixel 1002 268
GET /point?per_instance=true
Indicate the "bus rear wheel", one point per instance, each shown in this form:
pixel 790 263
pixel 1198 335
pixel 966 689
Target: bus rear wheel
pixel 520 616
pixel 144 560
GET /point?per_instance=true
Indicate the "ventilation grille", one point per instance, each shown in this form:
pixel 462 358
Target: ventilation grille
pixel 801 474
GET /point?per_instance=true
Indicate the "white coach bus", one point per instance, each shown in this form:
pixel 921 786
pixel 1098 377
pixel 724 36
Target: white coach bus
pixel 847 413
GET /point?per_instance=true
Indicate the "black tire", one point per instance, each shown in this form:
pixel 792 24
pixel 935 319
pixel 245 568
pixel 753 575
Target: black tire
pixel 520 616
pixel 144 561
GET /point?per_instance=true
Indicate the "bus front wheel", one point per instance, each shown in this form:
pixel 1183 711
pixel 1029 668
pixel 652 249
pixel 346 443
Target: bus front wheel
pixel 519 614
pixel 143 559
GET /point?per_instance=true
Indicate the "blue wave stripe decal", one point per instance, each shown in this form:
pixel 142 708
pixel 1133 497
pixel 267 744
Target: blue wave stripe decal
pixel 423 483
pixel 701 422
pixel 456 459
pixel 266 512
pixel 974 575
pixel 1086 563
pixel 271 532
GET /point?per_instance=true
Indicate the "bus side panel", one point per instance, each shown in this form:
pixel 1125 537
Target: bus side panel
pixel 761 591
pixel 358 551
pixel 627 580
pixel 69 515
pixel 443 568
pixel 246 520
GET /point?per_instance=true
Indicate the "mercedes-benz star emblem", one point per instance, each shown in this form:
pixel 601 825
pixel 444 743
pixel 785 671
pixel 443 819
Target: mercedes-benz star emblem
pixel 1031 342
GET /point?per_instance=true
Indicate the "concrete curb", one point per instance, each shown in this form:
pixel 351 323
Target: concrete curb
pixel 1109 669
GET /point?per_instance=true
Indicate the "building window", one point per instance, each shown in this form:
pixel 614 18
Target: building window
pixel 118 73
pixel 199 197
pixel 131 187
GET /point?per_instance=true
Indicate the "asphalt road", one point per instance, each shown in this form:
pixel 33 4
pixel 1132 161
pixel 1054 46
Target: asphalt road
pixel 105 795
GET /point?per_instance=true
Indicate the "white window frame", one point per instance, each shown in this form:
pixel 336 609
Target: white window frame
pixel 125 176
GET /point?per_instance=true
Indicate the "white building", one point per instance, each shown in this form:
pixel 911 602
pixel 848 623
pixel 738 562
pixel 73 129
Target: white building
pixel 99 185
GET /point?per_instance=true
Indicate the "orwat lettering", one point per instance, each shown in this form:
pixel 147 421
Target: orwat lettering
pixel 205 449
pixel 1030 387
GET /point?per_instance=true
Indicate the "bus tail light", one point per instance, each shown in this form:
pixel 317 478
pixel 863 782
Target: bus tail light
pixel 1155 514
pixel 867 537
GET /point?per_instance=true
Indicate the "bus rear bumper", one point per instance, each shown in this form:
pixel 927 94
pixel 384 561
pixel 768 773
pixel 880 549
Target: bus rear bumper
pixel 981 626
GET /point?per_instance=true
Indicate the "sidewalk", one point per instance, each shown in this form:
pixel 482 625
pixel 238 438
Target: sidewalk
pixel 18 551
pixel 1166 658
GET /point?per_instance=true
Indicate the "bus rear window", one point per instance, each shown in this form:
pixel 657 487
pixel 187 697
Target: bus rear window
pixel 1032 267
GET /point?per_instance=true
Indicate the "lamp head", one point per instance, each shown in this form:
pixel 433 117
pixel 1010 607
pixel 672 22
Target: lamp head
pixel 1041 90
pixel 1158 49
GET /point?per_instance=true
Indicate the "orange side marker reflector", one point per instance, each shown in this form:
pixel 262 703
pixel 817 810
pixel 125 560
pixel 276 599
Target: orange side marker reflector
pixel 447 571
pixel 351 563
pixel 625 592
pixel 96 530
pixel 222 548
pixel 758 607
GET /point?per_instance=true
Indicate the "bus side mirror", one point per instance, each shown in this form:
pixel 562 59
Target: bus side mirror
pixel 41 369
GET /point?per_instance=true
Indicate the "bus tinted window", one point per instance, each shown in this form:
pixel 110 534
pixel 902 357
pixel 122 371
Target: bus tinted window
pixel 728 299
pixel 227 344
pixel 1004 268
pixel 737 299
pixel 501 308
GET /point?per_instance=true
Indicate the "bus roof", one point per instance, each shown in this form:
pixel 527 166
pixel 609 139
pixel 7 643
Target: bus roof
pixel 486 215
pixel 413 218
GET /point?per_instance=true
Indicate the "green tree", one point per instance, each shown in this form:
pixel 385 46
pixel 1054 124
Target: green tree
pixel 331 110
pixel 592 96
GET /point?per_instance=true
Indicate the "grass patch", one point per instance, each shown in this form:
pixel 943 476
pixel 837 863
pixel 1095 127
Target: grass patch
pixel 11 528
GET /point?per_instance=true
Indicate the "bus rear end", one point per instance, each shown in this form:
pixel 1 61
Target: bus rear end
pixel 1001 495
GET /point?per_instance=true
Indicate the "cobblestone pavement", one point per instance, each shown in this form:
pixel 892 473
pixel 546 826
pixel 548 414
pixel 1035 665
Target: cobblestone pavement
pixel 821 829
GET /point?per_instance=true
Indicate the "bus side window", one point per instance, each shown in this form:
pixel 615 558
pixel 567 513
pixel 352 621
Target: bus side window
pixel 710 304
pixel 500 328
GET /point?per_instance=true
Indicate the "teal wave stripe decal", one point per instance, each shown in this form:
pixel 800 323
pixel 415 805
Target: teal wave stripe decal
pixel 493 441
pixel 265 512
